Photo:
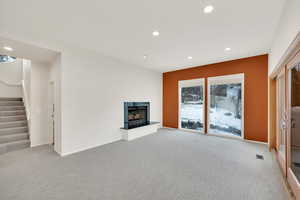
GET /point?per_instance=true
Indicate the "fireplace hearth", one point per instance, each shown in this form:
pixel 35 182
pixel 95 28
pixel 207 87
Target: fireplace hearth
pixel 136 114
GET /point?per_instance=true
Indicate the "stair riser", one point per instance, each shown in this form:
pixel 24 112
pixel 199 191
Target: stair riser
pixel 12 119
pixel 13 125
pixel 2 150
pixel 11 103
pixel 13 138
pixel 13 131
pixel 11 113
pixel 14 147
pixel 17 147
pixel 12 108
pixel 10 99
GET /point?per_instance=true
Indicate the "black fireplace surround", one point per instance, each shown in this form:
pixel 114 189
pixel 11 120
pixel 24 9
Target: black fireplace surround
pixel 136 114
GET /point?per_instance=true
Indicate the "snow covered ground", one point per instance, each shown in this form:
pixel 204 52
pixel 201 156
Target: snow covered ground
pixel 193 112
pixel 222 119
pixel 218 117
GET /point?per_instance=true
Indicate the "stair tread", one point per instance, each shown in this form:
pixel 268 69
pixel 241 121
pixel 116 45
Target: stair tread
pixel 7 101
pixel 11 103
pixel 12 135
pixel 13 122
pixel 12 128
pixel 11 116
pixel 11 110
pixel 16 118
pixel 15 142
pixel 11 106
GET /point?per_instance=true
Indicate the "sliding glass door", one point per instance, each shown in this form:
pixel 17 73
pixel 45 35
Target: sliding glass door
pixel 293 124
pixel 225 105
pixel 191 105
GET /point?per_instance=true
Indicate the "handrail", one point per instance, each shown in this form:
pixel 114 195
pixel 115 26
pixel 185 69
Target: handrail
pixel 26 102
pixel 11 84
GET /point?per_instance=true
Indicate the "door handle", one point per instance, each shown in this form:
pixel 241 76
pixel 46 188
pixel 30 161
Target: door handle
pixel 283 124
pixel 293 123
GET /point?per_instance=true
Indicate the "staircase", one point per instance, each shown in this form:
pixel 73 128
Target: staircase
pixel 13 125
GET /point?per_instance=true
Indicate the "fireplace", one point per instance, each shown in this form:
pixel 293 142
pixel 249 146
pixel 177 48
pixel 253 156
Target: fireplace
pixel 136 114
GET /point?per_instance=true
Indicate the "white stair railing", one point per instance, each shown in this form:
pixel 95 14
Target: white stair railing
pixel 26 103
pixel 10 84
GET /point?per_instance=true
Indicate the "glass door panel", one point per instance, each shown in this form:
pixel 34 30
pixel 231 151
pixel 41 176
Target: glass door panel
pixel 191 105
pixel 226 105
pixel 294 108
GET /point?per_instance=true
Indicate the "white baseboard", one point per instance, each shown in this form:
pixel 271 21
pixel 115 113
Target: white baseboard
pixel 257 142
pixel 90 147
pixel 217 135
pixel 169 128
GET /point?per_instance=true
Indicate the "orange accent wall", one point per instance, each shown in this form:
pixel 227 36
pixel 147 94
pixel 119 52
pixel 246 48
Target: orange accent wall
pixel 255 92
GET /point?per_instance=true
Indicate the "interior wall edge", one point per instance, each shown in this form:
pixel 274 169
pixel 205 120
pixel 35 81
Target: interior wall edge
pixel 288 55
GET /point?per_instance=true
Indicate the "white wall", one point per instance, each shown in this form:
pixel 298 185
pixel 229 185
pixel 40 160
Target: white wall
pixel 11 73
pixel 39 120
pixel 89 93
pixel 288 28
pixel 26 76
pixel 93 90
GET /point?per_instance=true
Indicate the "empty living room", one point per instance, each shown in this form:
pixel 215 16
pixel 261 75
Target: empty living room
pixel 150 100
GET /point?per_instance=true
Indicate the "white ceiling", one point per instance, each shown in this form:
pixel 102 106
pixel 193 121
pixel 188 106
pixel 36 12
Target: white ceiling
pixel 123 29
pixel 27 51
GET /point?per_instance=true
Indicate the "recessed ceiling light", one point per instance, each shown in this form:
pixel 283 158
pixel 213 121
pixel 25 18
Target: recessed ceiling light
pixel 7 48
pixel 190 57
pixel 155 33
pixel 208 9
pixel 145 57
pixel 227 49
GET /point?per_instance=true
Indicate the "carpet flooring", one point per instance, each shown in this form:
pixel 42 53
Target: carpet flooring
pixel 168 165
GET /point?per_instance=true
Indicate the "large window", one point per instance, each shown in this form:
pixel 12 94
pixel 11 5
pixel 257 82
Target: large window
pixel 225 105
pixel 191 105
